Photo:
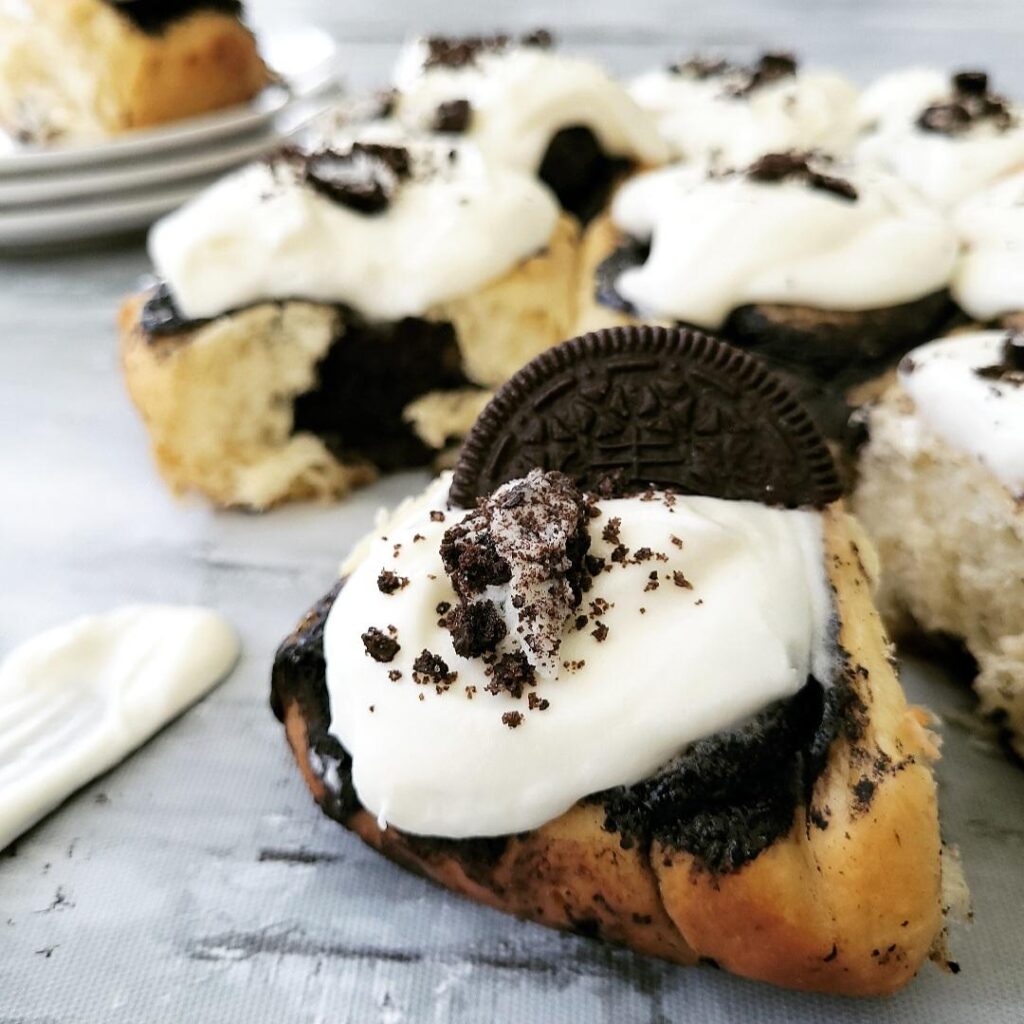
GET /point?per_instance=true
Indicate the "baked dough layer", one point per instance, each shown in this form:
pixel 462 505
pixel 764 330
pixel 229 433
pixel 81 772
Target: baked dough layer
pixel 849 901
pixel 951 540
pixel 79 69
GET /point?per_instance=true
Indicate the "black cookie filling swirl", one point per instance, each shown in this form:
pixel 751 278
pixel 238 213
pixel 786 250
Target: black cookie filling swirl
pixel 725 799
pixel 370 374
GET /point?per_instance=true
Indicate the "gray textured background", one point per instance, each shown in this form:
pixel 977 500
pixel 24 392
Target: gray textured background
pixel 197 882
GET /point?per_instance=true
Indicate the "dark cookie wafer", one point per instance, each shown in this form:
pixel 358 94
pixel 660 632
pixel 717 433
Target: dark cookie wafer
pixel 671 408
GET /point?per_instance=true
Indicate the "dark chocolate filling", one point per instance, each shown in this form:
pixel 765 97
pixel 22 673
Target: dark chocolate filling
pixel 153 16
pixel 368 377
pixel 371 372
pixel 724 800
pixel 579 172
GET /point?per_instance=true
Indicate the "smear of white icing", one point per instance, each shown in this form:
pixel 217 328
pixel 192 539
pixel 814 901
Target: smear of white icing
pixel 77 699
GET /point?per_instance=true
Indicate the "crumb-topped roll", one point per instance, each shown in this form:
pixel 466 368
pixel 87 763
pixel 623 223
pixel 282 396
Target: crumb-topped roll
pixel 527 106
pixel 81 69
pixel 325 314
pixel 664 715
pixel 715 111
pixel 818 267
pixel 941 491
pixel 947 137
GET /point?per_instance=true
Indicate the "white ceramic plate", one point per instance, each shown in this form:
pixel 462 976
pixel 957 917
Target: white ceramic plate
pixel 170 168
pixel 305 56
pixel 93 218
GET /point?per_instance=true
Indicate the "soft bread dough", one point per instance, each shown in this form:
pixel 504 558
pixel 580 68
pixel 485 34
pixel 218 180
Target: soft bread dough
pixel 217 399
pixel 854 908
pixel 80 69
pixel 951 539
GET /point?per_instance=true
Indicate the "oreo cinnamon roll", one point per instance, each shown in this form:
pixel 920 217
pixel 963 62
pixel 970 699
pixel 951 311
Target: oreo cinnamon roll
pixel 81 69
pixel 947 137
pixel 715 111
pixel 941 492
pixel 527 106
pixel 327 315
pixel 628 680
pixel 825 271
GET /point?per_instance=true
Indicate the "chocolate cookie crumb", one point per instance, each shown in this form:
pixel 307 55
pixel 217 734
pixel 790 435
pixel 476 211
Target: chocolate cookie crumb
pixel 436 516
pixel 778 167
pixel 394 675
pixel 676 541
pixel 432 669
pixel 443 607
pixel 1010 369
pixel 643 555
pixel 652 582
pixel 511 674
pixel 379 645
pixel 610 533
pixel 452 116
pixel 681 581
pixel 536 703
pixel 364 177
pixel 620 554
pixel 971 103
pixel 388 582
pixel 513 719
pixel 600 632
pixel 476 628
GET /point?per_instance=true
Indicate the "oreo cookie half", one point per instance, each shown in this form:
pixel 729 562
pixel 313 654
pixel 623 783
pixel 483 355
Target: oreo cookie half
pixel 650 406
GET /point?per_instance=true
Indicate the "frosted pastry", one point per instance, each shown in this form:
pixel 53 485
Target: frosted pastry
pixel 941 491
pixel 527 106
pixel 79 70
pixel 621 673
pixel 329 314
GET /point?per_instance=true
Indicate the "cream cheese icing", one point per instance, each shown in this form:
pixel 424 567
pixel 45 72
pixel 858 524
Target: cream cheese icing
pixel 701 119
pixel 77 699
pixel 719 242
pixel 677 662
pixel 944 168
pixel 981 415
pixel 989 278
pixel 520 97
pixel 264 233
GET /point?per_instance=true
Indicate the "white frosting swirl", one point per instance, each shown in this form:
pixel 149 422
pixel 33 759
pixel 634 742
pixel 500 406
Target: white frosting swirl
pixel 722 242
pixel 981 416
pixel 943 168
pixel 262 234
pixel 700 121
pixel 989 277
pixel 520 97
pixel 693 663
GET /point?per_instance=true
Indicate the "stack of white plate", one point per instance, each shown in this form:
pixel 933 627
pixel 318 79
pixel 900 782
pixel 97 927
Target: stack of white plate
pixel 125 182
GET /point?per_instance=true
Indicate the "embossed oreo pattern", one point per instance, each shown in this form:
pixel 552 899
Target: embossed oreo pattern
pixel 671 408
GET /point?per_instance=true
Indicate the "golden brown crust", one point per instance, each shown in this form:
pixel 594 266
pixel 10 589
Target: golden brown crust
pixel 850 905
pixel 216 402
pixel 80 68
pixel 853 908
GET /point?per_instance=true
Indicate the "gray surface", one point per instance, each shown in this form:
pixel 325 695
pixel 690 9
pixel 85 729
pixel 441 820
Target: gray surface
pixel 197 881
